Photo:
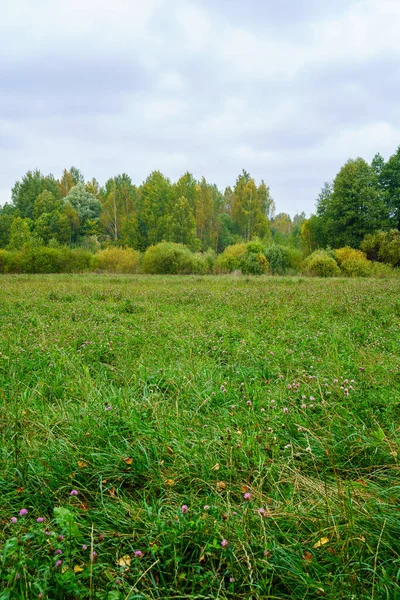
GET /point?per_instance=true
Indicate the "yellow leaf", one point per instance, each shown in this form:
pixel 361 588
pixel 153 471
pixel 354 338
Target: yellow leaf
pixel 78 569
pixel 170 450
pixel 128 461
pixel 321 542
pixel 170 482
pixel 221 485
pixel 124 561
pixel 215 467
pixel 82 464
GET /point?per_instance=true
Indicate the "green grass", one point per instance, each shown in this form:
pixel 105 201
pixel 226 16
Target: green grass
pixel 149 393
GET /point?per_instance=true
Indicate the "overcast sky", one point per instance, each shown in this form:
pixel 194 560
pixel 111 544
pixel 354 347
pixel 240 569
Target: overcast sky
pixel 288 89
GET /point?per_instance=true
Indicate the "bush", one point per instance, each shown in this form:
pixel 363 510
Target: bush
pixel 353 263
pixel 321 264
pixel 231 259
pixel 278 258
pixel 168 258
pixel 76 261
pixel 383 246
pixel 117 260
pixel 4 259
pixel 255 264
pixel 294 259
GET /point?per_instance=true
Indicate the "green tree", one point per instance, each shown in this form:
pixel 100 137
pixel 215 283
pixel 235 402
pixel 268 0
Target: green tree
pixel 7 215
pixel 355 207
pixel 247 208
pixel 86 204
pixel 25 192
pixel 45 203
pixel 20 234
pixel 389 178
pixel 156 195
pixel 180 223
pixel 119 204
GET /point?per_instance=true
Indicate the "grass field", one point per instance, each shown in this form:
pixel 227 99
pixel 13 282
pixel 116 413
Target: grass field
pixel 222 437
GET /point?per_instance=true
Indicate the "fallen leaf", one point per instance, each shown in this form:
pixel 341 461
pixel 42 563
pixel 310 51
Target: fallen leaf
pixel 128 461
pixel 215 467
pixel 78 569
pixel 245 488
pixel 111 491
pixel 321 542
pixel 307 556
pixel 221 485
pixel 170 451
pixel 82 464
pixel 20 489
pixel 170 482
pixel 124 561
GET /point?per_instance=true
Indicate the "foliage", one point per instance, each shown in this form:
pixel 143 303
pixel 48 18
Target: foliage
pixel 321 264
pixel 168 258
pixel 20 234
pixel 353 263
pixel 86 204
pixel 278 258
pixel 117 260
pixel 383 246
pixel 231 259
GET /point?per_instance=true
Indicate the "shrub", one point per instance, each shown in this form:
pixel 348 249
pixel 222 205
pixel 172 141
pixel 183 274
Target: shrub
pixel 254 264
pixel 383 246
pixel 294 259
pixel 321 264
pixel 76 260
pixel 278 259
pixel 38 260
pixel 231 259
pixel 117 260
pixel 353 263
pixel 169 258
pixel 4 259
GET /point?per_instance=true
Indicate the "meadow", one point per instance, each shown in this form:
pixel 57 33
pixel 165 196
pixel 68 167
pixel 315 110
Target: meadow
pixel 199 437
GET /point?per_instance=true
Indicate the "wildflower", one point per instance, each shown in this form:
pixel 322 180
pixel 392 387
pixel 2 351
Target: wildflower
pixel 231 579
pixel 206 507
pixel 23 512
pixel 47 532
pixel 233 407
pixel 247 497
pixel 224 543
pixel 108 407
pixel 312 398
pixel 93 556
pixel 13 520
pixel 60 538
pixel 138 553
pixel 263 410
pixel 262 512
pixel 39 520
pixel 58 551
pixel 184 509
pixel 304 397
pixel 286 410
pixel 248 402
pixel 346 392
pixel 73 493
pixel 17 576
pixel 58 564
pixel 304 406
pixel 84 547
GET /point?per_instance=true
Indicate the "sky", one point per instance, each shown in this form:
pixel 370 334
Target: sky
pixel 287 90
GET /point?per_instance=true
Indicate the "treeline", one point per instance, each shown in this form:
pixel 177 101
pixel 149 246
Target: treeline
pixel 71 211
pixel 362 200
pixel 359 209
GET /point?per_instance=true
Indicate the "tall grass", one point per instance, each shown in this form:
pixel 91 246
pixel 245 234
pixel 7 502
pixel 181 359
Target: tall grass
pixel 227 438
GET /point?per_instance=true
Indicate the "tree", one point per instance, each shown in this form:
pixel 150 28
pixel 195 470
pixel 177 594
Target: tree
pixel 389 178
pixel 156 195
pixel 180 223
pixel 86 204
pixel 20 234
pixel 25 192
pixel 45 203
pixel 66 183
pixel 247 208
pixel 355 207
pixel 7 216
pixel 119 204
